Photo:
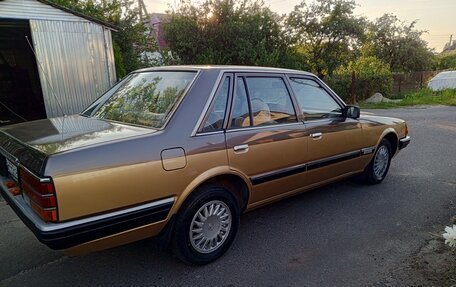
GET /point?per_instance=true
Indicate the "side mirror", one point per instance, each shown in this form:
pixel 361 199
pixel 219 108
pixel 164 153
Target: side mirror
pixel 352 112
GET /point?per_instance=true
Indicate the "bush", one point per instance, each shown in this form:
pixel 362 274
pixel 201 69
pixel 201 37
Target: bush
pixel 372 76
pixel 447 61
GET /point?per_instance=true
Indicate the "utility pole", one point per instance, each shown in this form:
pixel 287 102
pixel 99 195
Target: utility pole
pixel 143 11
pixel 143 14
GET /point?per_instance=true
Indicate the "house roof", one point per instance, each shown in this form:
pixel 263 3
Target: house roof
pixel 158 18
pixel 451 46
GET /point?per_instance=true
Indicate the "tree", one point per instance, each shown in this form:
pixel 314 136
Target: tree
pixel 398 44
pixel 372 76
pixel 326 32
pixel 227 32
pixel 133 38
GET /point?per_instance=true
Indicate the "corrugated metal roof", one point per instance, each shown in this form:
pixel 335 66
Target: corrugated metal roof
pixel 32 9
pixel 45 10
pixel 443 80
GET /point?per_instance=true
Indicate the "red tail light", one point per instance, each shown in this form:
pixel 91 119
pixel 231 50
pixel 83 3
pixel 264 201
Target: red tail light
pixel 41 195
pixel 406 130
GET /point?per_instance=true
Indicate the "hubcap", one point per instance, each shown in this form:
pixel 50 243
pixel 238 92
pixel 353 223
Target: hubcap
pixel 381 161
pixel 210 226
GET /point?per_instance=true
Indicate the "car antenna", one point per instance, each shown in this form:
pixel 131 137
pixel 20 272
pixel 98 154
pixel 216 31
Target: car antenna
pixel 46 77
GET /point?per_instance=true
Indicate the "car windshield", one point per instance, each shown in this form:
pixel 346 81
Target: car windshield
pixel 144 99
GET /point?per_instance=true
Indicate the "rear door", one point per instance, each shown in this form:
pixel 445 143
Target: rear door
pixel 265 136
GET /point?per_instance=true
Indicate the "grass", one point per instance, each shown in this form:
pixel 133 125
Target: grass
pixel 421 97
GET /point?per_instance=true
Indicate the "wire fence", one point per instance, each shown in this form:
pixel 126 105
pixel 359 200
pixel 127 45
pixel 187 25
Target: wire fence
pixel 410 82
pixel 354 89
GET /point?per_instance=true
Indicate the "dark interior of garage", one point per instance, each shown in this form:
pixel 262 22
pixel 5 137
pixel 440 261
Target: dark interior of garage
pixel 21 97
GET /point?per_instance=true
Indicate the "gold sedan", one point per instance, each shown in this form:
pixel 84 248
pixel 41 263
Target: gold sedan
pixel 180 152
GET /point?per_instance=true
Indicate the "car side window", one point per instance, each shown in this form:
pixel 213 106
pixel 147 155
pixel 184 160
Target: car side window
pixel 240 116
pixel 214 120
pixel 270 101
pixel 315 102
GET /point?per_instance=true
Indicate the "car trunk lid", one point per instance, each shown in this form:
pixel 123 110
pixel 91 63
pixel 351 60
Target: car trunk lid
pixel 31 143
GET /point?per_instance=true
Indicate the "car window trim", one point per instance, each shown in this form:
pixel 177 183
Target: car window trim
pixel 321 83
pixel 208 103
pixel 325 87
pixel 207 112
pixel 261 75
pixel 249 101
pixel 235 72
pixel 263 127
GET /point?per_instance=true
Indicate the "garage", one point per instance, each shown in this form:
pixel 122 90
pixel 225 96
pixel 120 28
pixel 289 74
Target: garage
pixel 53 61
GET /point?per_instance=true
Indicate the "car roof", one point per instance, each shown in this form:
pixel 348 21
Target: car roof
pixel 227 68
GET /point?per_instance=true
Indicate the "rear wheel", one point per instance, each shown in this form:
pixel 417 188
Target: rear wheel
pixel 377 169
pixel 206 225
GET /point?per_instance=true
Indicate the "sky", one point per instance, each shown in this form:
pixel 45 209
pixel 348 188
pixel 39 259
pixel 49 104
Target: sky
pixel 438 17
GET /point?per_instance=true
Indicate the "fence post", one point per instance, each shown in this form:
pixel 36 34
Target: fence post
pixel 353 88
pixel 421 79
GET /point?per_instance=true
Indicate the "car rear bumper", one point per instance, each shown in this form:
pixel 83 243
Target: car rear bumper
pixel 404 142
pixel 71 233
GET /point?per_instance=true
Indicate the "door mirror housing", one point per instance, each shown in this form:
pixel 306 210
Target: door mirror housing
pixel 352 112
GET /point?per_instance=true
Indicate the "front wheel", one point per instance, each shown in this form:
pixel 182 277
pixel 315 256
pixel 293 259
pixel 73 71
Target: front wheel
pixel 206 226
pixel 377 169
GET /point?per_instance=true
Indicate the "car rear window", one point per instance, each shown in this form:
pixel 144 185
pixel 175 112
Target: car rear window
pixel 144 99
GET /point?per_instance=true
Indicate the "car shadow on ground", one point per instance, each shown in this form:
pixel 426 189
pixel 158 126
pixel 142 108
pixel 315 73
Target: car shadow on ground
pixel 283 221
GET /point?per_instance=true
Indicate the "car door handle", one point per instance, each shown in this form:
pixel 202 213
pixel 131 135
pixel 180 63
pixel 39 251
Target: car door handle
pixel 316 135
pixel 241 148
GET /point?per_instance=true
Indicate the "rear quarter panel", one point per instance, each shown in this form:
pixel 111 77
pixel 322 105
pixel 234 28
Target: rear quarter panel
pixel 125 173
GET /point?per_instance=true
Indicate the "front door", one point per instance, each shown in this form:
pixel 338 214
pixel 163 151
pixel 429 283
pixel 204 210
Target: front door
pixel 334 142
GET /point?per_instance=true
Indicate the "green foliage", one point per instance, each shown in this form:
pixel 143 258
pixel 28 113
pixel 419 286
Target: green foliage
pixel 398 44
pixel 326 33
pixel 118 59
pixel 447 61
pixel 323 36
pixel 421 97
pixel 133 38
pixel 228 32
pixel 372 75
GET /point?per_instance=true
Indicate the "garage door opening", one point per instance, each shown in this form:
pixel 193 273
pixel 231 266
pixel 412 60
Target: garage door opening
pixel 21 97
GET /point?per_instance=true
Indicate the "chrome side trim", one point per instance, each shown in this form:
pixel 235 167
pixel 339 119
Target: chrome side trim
pixel 367 150
pixel 208 133
pixel 323 120
pixel 334 157
pixel 47 226
pixel 305 167
pixel 276 174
